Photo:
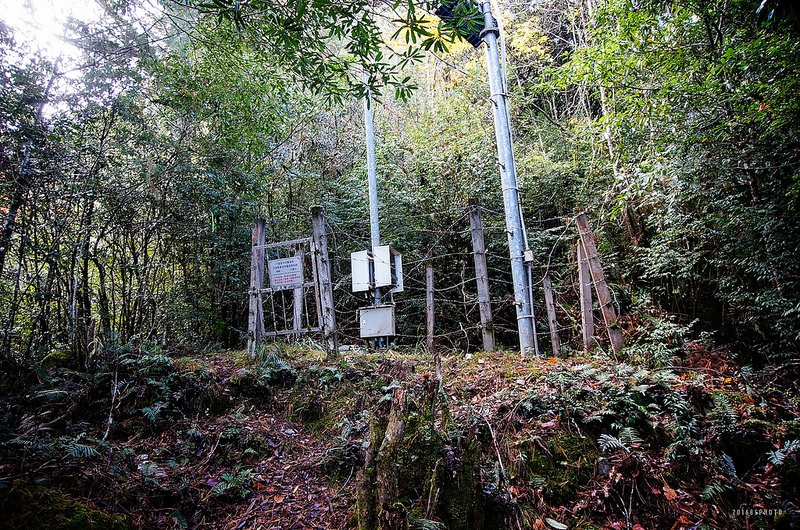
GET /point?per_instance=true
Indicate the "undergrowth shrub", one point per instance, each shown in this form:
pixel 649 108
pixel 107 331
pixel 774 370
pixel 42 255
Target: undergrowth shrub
pixel 659 337
pixel 236 485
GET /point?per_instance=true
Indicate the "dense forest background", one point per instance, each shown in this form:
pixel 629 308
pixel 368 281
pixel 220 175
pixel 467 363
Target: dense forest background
pixel 133 168
pixel 136 154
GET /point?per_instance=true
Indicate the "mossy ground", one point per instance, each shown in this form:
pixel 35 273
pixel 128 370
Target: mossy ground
pixel 589 441
pixel 563 465
pixel 28 506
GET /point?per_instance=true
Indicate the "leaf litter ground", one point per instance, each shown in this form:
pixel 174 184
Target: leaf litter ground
pixel 588 442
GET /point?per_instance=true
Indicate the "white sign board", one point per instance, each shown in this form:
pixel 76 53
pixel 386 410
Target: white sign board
pixel 285 273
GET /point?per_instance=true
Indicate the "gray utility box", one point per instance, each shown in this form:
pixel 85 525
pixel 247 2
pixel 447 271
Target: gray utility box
pixel 376 321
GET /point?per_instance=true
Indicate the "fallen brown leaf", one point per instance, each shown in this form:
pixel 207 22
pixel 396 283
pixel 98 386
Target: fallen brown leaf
pixel 670 493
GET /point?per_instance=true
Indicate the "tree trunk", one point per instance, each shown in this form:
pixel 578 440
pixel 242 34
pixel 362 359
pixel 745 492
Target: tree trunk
pixel 17 201
pixel 390 514
pixel 23 183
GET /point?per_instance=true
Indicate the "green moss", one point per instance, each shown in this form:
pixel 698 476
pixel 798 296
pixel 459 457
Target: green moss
pixel 366 494
pixel 422 447
pixel 56 359
pixel 430 474
pixel 462 504
pixel 566 466
pixel 188 364
pixel 27 506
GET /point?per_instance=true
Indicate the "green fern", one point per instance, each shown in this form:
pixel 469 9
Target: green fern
pixel 727 465
pixel 683 425
pixel 714 491
pixel 723 417
pixel 426 524
pixel 629 435
pixel 237 485
pixel 152 413
pixel 79 446
pixel 226 482
pixel 34 445
pixel 79 450
pixel 609 444
pixel 778 456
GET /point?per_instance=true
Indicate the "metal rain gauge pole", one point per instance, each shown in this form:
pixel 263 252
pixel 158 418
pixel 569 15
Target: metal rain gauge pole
pixel 488 31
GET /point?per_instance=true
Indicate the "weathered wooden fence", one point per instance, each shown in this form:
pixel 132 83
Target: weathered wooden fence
pixel 298 292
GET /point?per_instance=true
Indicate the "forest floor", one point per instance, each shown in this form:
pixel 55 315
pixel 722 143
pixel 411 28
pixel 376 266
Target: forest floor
pixel 293 440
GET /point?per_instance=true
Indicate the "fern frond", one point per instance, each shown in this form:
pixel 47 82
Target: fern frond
pixel 36 445
pixel 723 407
pixel 777 456
pixel 79 450
pixel 79 446
pixel 220 488
pixel 629 435
pixel 610 444
pixel 238 484
pixel 714 491
pixel 151 413
pixel 726 463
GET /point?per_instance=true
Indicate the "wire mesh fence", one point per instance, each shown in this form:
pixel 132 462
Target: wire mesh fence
pixel 444 242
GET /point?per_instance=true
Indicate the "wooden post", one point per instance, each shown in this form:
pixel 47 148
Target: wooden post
pixel 297 303
pixel 600 285
pixel 551 315
pixel 587 315
pixel 431 322
pixel 324 274
pixel 429 310
pixel 481 274
pixel 255 325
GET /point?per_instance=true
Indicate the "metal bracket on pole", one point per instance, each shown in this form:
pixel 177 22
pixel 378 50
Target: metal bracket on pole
pixel 493 29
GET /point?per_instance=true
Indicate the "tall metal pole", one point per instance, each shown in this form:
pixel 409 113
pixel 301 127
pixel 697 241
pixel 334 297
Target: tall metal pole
pixel 508 176
pixel 380 342
pixel 372 176
pixel 371 170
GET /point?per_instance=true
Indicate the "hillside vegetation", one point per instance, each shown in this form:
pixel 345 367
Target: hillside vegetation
pixel 214 441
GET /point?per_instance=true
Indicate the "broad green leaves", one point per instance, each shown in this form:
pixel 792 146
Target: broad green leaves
pixel 692 106
pixel 327 44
